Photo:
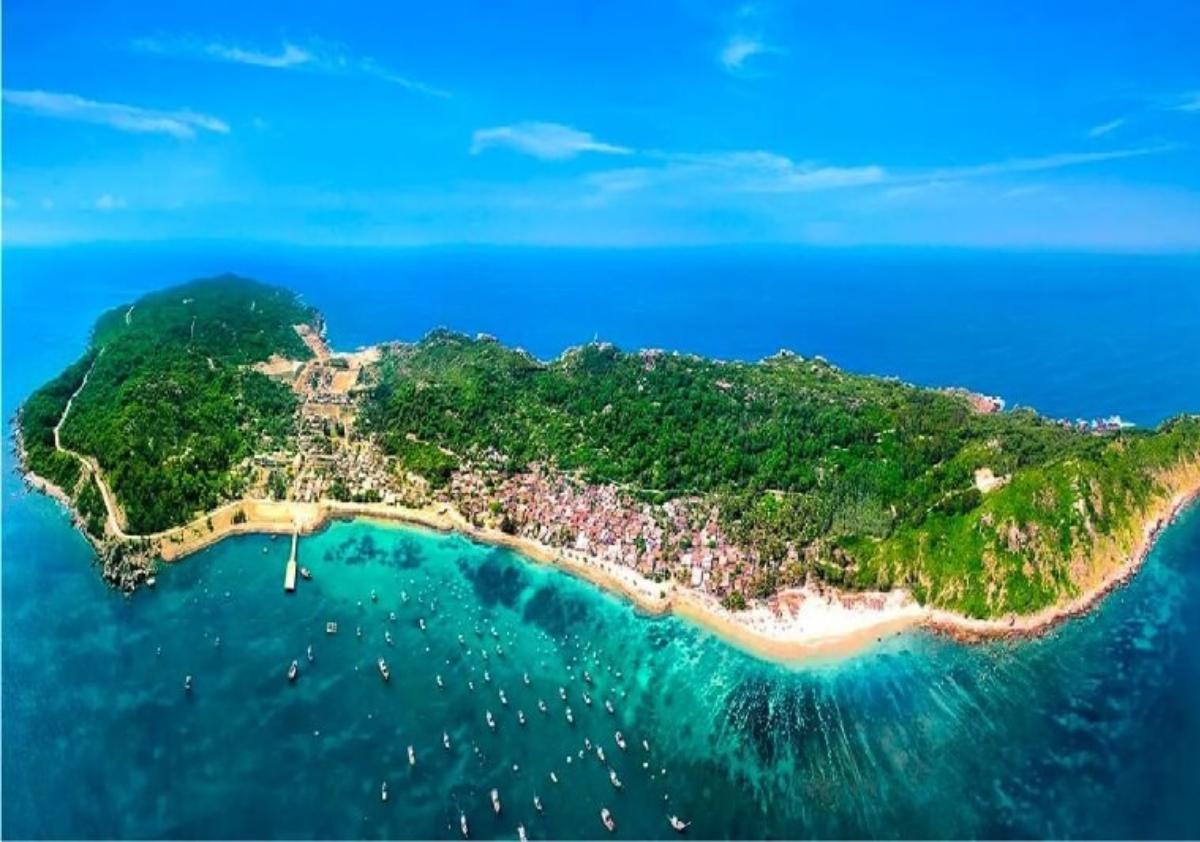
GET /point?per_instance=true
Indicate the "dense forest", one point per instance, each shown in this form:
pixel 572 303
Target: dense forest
pixel 171 406
pixel 873 480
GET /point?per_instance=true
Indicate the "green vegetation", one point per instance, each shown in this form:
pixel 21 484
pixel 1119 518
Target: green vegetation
pixel 171 405
pixel 870 480
pixel 39 415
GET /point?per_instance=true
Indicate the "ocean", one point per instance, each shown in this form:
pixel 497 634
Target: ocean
pixel 1091 730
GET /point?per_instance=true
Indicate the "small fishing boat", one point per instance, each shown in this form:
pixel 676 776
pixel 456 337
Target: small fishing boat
pixel 387 637
pixel 525 678
pixel 499 650
pixel 331 627
pixel 487 676
pixel 421 623
pixel 391 616
pixel 484 653
pixel 620 740
pixel 187 683
pixel 358 632
pixel 293 671
pixel 587 700
pixel 412 757
pixel 462 824
pixel 520 717
pixel 305 573
pixel 612 776
pixel 404 596
pixel 462 641
pixel 438 678
pixel 608 706
pixel 645 745
pixel 607 819
pixel 521 833
pixel 553 778
pixel 562 693
pixel 496 801
pixel 490 721
pixel 446 741
pixel 541 706
pixel 570 716
pixel 383 669
pixel 537 803
pixel 587 676
pixel 503 698
pixel 383 791
pixel 600 753
pixel 587 744
pixel 470 685
pixel 678 824
pixel 374 596
pixel 309 653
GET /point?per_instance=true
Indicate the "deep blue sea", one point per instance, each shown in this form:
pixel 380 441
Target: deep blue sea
pixel 1091 731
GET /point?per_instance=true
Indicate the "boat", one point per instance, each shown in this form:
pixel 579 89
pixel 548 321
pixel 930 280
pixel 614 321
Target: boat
pixel 305 573
pixel 187 683
pixel 562 693
pixel 358 632
pixel 331 627
pixel 151 582
pixel 521 833
pixel 440 683
pixel 553 778
pixel 446 740
pixel 600 753
pixel 541 706
pixel 608 706
pixel 499 650
pixel 520 717
pixel 645 745
pixel 587 700
pixel 387 637
pixel 678 824
pixel 620 739
pixel 525 678
pixel 537 803
pixel 383 669
pixel 587 744
pixel 462 824
pixel 490 721
pixel 383 791
pixel 470 685
pixel 612 776
pixel 587 676
pixel 404 596
pixel 570 716
pixel 421 623
pixel 309 653
pixel 391 616
pixel 607 819
pixel 462 641
pixel 293 671
pixel 503 698
pixel 412 757
pixel 374 596
pixel 487 676
pixel 496 801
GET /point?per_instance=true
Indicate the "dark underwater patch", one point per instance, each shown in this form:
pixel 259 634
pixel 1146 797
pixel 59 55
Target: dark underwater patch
pixel 555 612
pixel 495 581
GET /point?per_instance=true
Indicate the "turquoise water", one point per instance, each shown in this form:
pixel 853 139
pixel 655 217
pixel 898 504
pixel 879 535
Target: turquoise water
pixel 1091 730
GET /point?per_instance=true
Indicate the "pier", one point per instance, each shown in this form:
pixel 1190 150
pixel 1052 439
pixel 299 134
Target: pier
pixel 289 576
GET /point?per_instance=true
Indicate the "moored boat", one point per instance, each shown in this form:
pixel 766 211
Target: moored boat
pixel 678 824
pixel 412 757
pixel 612 777
pixel 462 824
pixel 383 792
pixel 383 669
pixel 293 670
pixel 620 740
pixel 607 820
pixel 305 573
pixel 496 801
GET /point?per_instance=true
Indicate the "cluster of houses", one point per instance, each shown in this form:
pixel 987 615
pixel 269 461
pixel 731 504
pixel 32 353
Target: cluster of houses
pixel 680 539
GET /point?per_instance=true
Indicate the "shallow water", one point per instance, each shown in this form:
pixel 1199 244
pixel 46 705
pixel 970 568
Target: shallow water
pixel 1092 730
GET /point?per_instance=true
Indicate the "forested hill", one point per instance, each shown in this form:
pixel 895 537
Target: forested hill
pixel 170 406
pixel 869 482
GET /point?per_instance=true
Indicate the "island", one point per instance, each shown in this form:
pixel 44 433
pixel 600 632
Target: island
pixel 787 504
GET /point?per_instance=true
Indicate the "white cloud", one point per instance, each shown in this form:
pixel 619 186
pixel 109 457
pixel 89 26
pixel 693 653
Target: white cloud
pixel 1105 128
pixel 316 57
pixel 109 202
pixel 1188 102
pixel 738 49
pixel 126 118
pixel 1040 163
pixel 548 141
pixel 289 56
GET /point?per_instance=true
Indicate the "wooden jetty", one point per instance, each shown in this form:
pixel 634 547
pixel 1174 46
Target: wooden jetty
pixel 289 576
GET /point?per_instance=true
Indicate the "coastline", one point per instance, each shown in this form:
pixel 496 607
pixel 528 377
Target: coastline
pixel 797 624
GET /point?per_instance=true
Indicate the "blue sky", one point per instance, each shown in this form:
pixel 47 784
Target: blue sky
pixel 1065 125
